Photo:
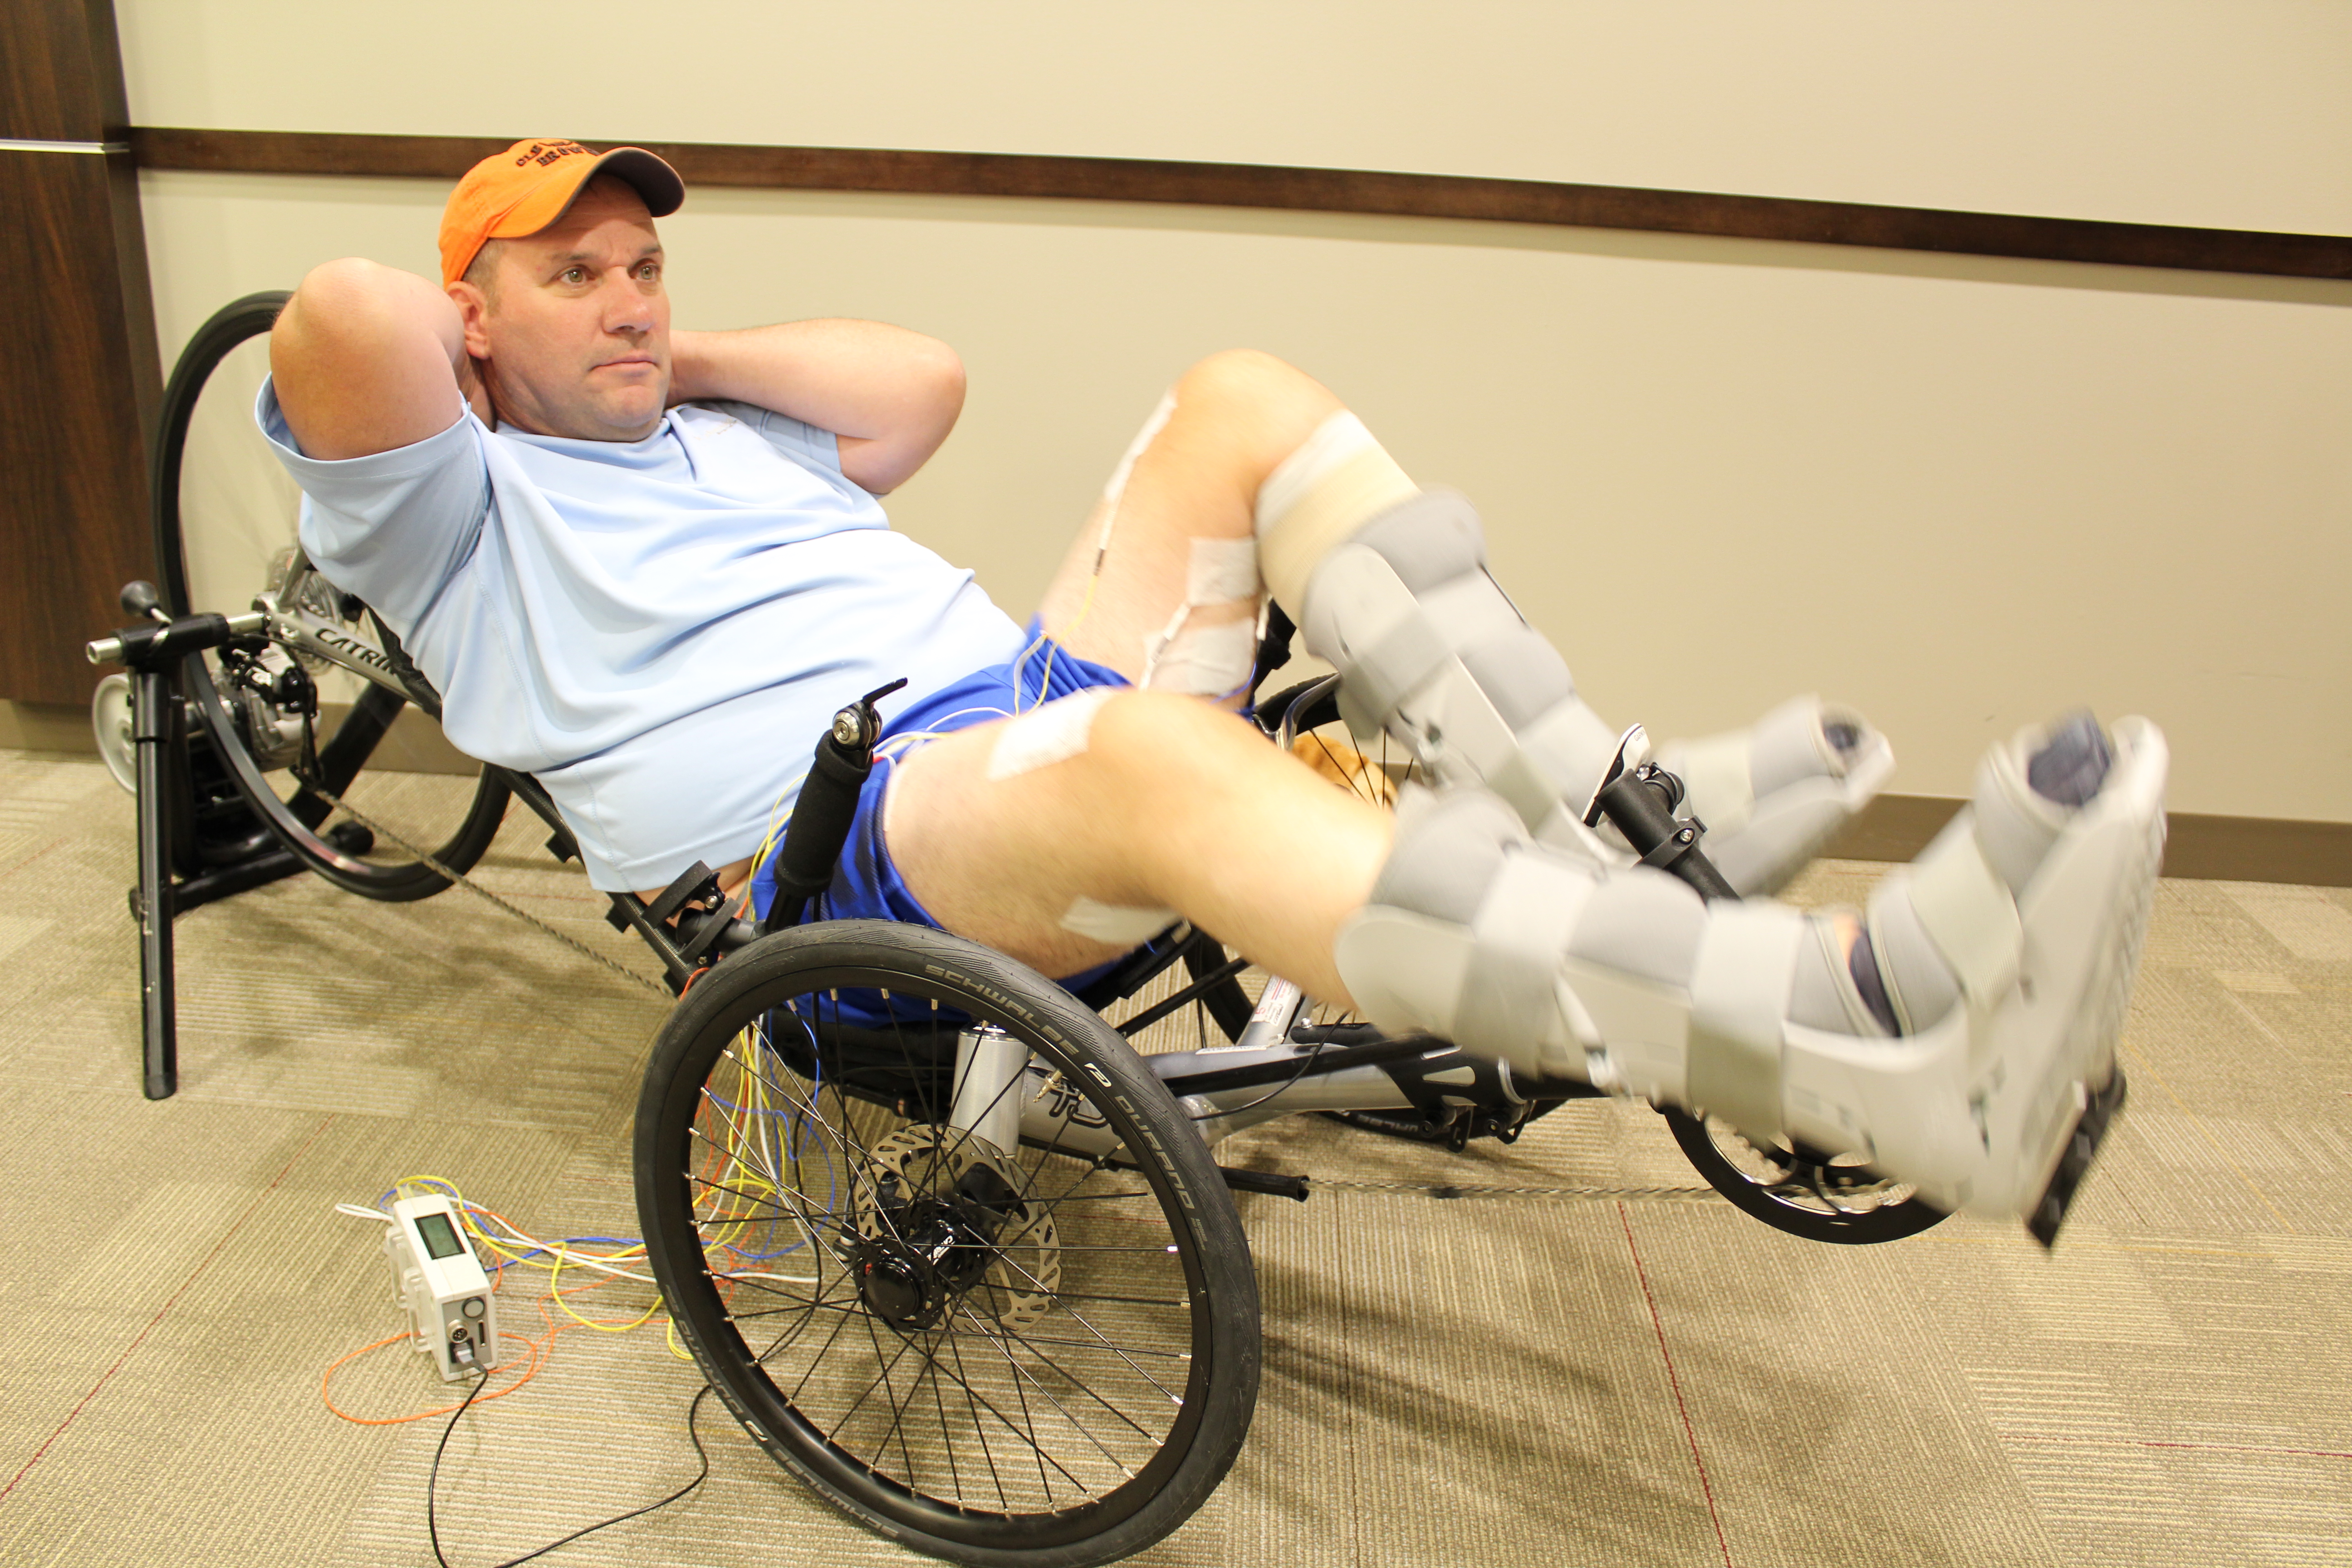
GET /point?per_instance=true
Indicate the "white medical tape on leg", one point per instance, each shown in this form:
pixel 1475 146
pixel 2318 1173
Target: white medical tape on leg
pixel 1222 570
pixel 1116 486
pixel 1213 660
pixel 1115 925
pixel 1201 661
pixel 1340 437
pixel 1045 736
pixel 1338 479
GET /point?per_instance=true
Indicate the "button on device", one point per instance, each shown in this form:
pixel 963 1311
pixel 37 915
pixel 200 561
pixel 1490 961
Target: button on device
pixel 473 1306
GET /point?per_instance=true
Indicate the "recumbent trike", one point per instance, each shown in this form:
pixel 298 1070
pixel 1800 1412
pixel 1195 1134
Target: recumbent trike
pixel 948 1246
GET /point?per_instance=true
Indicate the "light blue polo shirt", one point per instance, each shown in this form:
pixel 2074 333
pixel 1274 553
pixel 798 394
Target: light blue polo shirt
pixel 658 630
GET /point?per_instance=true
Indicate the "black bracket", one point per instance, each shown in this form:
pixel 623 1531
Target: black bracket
pixel 1640 802
pixel 197 840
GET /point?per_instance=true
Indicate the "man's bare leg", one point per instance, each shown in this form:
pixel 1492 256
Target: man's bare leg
pixel 1172 803
pixel 1457 921
pixel 1176 523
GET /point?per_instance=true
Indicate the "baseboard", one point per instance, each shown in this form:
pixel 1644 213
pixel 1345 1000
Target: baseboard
pixel 47 727
pixel 414 746
pixel 2259 850
pixel 2197 846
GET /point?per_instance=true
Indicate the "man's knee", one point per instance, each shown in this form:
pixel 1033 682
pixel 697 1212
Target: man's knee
pixel 1267 391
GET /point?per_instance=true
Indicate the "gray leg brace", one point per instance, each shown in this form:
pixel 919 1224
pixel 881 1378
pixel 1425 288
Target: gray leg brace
pixel 2004 956
pixel 1432 651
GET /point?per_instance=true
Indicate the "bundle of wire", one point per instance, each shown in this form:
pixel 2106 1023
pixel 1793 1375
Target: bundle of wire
pixel 765 1134
pixel 502 1247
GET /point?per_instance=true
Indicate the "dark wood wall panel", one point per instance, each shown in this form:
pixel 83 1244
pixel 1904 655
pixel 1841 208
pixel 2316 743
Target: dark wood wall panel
pixel 60 71
pixel 73 416
pixel 1308 190
pixel 70 430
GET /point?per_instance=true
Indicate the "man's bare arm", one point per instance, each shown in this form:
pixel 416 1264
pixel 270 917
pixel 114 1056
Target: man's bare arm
pixel 891 395
pixel 365 358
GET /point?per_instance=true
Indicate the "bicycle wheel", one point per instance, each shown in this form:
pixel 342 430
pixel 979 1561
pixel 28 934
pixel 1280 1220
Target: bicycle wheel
pixel 1042 1350
pixel 223 518
pixel 1832 1198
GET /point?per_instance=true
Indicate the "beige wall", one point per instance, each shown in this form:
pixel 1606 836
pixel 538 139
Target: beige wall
pixel 1958 493
pixel 2189 112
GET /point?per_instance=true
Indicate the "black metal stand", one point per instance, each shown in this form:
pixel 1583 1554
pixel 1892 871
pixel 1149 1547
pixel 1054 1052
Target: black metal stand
pixel 191 850
pixel 153 700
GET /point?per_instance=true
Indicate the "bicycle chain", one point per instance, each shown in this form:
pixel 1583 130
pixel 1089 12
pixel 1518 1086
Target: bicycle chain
pixel 574 943
pixel 1459 1190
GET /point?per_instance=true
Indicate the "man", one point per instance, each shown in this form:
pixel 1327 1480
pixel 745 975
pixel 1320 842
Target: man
pixel 646 565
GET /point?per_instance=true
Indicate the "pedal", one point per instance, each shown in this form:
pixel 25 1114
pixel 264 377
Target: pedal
pixel 2075 1163
pixel 1270 1182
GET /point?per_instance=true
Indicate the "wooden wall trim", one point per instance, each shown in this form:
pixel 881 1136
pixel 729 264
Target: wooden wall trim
pixel 2197 846
pixel 1306 190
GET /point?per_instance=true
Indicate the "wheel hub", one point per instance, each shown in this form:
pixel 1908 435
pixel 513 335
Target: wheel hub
pixel 939 1223
pixel 915 1278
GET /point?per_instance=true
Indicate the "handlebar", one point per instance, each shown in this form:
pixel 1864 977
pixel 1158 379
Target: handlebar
pixel 152 644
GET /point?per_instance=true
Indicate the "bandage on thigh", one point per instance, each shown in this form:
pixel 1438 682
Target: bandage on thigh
pixel 1209 660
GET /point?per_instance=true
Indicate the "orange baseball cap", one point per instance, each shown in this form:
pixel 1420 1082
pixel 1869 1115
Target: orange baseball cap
pixel 530 184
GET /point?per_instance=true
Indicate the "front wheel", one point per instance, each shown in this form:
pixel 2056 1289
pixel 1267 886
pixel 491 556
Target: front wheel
pixel 1038 1348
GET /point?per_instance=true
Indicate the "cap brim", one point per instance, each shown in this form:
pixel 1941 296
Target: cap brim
pixel 656 182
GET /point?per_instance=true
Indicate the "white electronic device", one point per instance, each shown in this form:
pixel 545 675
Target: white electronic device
pixel 437 1278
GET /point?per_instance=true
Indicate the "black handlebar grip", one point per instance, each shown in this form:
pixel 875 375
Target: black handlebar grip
pixel 1640 802
pixel 819 828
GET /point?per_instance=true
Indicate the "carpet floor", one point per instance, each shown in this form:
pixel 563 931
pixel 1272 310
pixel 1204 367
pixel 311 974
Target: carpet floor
pixel 1615 1368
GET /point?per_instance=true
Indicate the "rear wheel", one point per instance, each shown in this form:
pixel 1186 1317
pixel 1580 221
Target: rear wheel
pixel 224 517
pixel 1040 1349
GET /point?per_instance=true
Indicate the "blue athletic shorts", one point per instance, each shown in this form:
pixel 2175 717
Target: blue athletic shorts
pixel 865 884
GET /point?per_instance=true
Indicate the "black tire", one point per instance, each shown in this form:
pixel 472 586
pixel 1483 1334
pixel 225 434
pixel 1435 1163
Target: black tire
pixel 358 861
pixel 947 1388
pixel 1834 1200
pixel 1269 712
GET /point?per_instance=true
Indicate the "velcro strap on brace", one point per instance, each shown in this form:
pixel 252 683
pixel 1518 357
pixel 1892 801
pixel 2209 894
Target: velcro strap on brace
pixel 1396 664
pixel 1507 1007
pixel 1739 1002
pixel 1967 911
pixel 1716 773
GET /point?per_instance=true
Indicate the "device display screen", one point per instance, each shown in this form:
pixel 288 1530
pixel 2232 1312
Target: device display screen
pixel 440 1236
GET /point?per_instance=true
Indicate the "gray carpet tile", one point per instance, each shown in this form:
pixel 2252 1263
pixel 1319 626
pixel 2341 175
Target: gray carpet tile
pixel 1579 1357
